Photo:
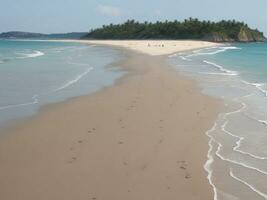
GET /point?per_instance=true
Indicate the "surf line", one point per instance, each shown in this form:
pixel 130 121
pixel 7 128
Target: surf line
pixel 31 55
pixel 210 161
pixel 35 101
pixel 221 68
pixel 210 157
pixel 76 79
pixel 240 139
pixel 248 185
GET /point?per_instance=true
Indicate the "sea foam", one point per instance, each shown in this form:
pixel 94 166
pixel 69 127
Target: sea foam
pixel 208 164
pixel 76 79
pixel 225 142
pixel 258 86
pixel 248 185
pixel 218 50
pixel 31 55
pixel 34 101
pixel 221 68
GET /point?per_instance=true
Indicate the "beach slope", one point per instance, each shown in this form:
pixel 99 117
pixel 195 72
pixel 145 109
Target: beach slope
pixel 143 138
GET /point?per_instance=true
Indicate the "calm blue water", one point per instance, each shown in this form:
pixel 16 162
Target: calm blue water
pixel 35 73
pixel 237 74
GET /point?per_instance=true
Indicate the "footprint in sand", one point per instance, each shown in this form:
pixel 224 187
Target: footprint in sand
pixel 92 131
pixel 134 102
pixel 131 107
pixel 160 141
pixel 73 147
pixel 125 163
pixel 144 167
pixel 73 159
pixel 120 121
pixel 182 167
pixel 187 176
pixel 183 164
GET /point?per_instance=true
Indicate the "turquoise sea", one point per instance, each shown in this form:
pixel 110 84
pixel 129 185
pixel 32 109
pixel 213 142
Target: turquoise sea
pixel 237 74
pixel 35 73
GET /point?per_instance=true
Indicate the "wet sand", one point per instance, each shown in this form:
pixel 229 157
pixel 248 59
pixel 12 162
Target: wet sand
pixel 140 139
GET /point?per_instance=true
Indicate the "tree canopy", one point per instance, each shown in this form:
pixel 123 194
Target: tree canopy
pixel 190 28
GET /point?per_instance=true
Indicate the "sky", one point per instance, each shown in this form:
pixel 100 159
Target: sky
pixel 56 16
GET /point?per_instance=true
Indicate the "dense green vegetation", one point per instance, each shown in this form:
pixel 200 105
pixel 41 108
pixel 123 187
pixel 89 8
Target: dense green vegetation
pixel 188 29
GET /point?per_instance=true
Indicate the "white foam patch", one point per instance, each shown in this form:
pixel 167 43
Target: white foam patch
pixel 258 86
pixel 221 68
pixel 76 79
pixel 214 73
pixel 31 55
pixel 34 98
pixel 248 185
pixel 200 52
pixel 185 58
pixel 208 164
pixel 240 139
pixel 234 161
pixel 219 50
pixel 173 55
pixel 238 144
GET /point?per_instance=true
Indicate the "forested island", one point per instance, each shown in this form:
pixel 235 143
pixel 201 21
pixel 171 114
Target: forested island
pixel 222 31
pixel 192 28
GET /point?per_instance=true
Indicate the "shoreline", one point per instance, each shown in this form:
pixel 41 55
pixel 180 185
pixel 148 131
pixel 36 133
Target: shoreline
pixel 124 46
pixel 148 47
pixel 153 166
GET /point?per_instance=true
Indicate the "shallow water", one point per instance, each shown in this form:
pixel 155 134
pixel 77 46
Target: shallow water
pixel 34 73
pixel 237 160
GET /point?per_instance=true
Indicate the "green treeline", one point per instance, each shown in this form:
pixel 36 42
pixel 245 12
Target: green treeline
pixel 222 31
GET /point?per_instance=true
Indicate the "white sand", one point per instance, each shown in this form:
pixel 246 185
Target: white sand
pixel 149 47
pixel 154 47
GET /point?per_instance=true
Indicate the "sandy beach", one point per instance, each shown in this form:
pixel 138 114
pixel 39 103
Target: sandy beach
pixel 155 47
pixel 140 139
pixel 149 47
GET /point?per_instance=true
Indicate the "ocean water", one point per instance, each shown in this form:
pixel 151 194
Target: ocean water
pixel 237 74
pixel 35 73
